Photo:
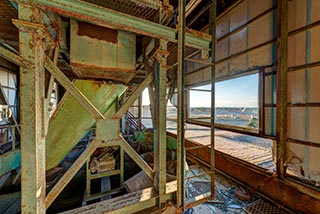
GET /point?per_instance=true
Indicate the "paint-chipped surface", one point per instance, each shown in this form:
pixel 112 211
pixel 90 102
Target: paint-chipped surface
pixel 71 122
pixel 103 53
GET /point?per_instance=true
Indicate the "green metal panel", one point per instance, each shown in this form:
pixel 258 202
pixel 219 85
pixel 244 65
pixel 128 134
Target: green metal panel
pixel 70 122
pixel 108 129
pixel 102 52
pixel 9 161
pixel 171 142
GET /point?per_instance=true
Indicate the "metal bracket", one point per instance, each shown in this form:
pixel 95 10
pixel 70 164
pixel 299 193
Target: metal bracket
pixel 108 130
pixel 39 30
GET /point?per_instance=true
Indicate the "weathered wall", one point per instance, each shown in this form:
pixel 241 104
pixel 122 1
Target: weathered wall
pixel 245 42
pixel 304 89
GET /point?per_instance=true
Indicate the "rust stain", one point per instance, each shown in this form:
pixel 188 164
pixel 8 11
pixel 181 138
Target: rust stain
pixel 97 32
pixel 198 34
pixel 95 86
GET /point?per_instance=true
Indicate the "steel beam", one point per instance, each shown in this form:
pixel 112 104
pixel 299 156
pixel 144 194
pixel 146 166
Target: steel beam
pixel 160 137
pixel 282 68
pixel 151 93
pixel 191 6
pixel 73 90
pixel 212 30
pixel 128 103
pixel 181 156
pixel 136 158
pixel 32 94
pixel 10 161
pixel 72 171
pixel 13 57
pixel 109 18
pixel 129 203
pixel 51 78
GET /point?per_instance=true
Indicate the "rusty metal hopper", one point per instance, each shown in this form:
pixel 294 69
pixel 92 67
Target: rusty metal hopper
pixel 102 53
pixel 71 122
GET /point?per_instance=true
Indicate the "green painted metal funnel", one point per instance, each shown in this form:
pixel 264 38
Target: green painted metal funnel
pixel 71 122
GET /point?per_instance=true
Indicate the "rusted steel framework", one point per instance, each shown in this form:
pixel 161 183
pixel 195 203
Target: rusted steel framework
pixel 32 31
pixel 181 156
pixel 32 47
pixel 37 37
pixel 160 144
pixel 282 69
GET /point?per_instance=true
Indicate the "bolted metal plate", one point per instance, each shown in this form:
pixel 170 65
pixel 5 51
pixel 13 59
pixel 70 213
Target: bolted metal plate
pixel 108 129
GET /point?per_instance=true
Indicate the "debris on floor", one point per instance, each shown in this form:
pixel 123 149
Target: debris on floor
pixel 231 198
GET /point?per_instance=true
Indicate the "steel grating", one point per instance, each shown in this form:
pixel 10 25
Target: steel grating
pixel 129 7
pixel 262 207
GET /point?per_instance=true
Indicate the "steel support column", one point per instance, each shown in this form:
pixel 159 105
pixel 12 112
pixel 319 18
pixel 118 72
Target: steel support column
pixel 160 139
pixel 181 156
pixel 212 29
pixel 282 51
pixel 73 90
pixel 140 112
pixel 32 95
pixel 151 94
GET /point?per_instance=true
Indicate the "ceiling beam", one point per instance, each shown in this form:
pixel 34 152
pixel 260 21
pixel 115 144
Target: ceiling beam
pixel 113 19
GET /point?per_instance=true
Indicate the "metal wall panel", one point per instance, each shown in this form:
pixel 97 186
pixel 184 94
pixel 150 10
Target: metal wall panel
pixel 303 90
pixel 245 42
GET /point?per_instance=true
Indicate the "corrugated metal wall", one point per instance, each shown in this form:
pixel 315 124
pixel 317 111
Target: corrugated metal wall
pixel 304 89
pixel 246 43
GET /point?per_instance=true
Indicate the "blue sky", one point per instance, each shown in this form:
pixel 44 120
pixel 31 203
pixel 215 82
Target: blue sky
pixel 239 92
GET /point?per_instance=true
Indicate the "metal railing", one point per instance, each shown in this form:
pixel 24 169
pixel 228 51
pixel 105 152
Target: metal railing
pixel 134 121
